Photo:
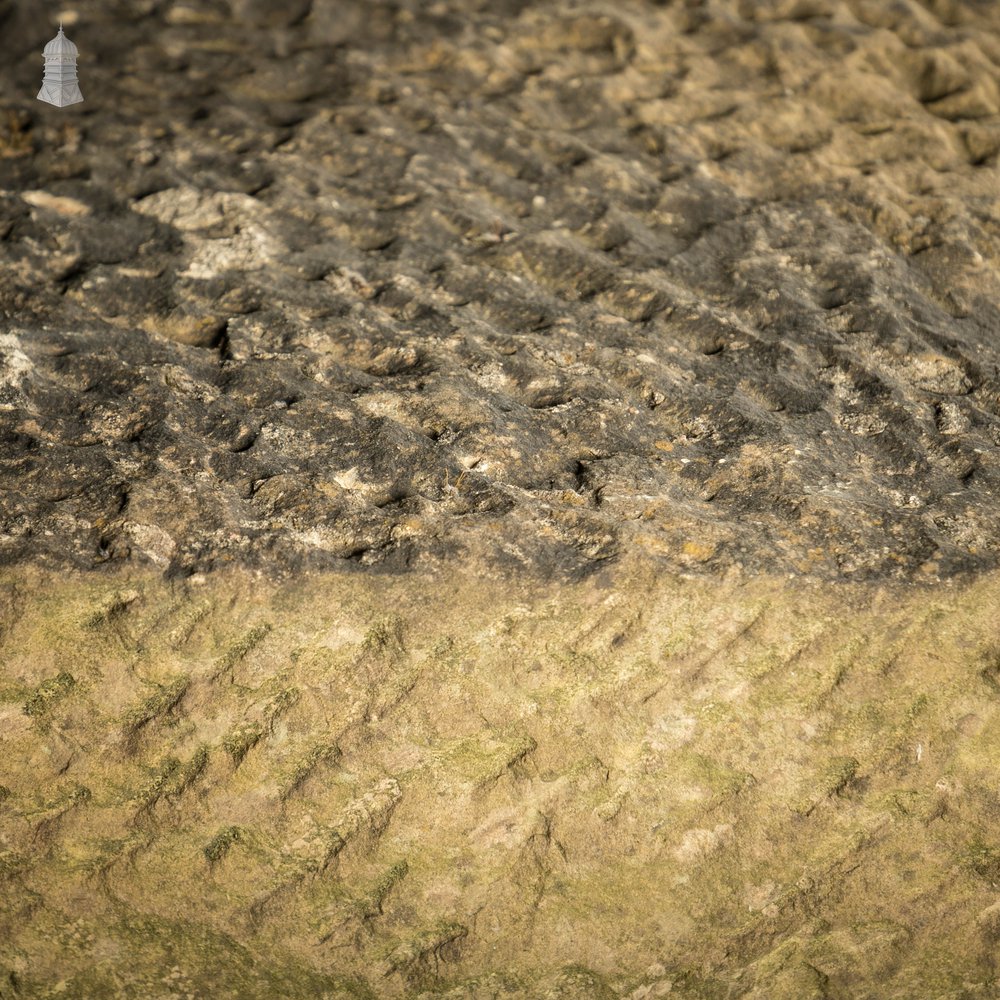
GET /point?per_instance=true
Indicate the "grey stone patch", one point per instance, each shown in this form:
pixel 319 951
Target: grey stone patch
pixel 384 284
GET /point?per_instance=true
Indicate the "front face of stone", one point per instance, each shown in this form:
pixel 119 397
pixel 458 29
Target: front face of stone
pixel 344 772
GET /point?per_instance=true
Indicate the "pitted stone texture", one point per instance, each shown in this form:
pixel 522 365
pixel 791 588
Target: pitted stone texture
pixel 387 282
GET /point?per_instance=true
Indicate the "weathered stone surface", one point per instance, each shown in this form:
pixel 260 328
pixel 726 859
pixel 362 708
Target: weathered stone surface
pixel 432 785
pixel 681 318
pixel 392 282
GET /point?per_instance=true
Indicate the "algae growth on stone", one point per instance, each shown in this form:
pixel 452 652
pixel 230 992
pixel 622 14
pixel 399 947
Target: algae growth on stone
pixel 600 791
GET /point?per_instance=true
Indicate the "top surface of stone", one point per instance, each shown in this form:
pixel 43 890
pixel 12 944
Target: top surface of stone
pixel 539 284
